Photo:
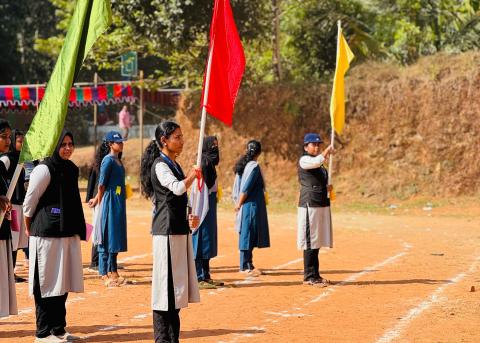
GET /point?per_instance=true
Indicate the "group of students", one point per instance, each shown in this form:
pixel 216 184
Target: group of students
pixel 182 244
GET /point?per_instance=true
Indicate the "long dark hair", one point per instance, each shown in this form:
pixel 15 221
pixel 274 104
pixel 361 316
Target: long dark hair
pixel 254 148
pixel 151 153
pixel 102 151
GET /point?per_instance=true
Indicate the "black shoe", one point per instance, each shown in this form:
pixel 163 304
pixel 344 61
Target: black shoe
pixel 215 283
pixel 316 282
pixel 19 279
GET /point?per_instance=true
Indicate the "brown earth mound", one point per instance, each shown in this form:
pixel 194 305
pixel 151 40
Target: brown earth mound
pixel 410 131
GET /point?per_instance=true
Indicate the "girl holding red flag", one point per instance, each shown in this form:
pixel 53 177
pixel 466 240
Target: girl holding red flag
pixel 174 280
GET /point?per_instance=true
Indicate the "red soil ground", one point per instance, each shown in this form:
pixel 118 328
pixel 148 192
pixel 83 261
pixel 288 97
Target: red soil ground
pixel 400 278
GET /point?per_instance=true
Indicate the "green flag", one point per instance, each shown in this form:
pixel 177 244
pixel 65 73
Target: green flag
pixel 90 19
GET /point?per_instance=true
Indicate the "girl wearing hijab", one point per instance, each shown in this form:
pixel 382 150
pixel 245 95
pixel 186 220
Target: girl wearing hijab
pixel 55 222
pixel 92 191
pixel 111 235
pixel 248 194
pixel 314 219
pixel 174 281
pixel 205 237
pixel 8 300
pixel 10 160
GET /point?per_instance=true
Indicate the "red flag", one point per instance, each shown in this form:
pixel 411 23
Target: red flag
pixel 228 63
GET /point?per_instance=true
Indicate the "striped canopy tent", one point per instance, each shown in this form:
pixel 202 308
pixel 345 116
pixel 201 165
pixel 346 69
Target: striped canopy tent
pixel 23 97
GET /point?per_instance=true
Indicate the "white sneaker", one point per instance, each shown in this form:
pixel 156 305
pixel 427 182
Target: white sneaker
pixel 69 337
pixel 50 339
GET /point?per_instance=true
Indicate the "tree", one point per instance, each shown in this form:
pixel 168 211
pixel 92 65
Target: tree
pixel 312 30
pixel 21 23
pixel 170 36
pixel 413 28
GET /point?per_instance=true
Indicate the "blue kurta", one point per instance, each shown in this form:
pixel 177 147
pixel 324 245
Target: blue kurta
pixel 254 225
pixel 114 216
pixel 205 238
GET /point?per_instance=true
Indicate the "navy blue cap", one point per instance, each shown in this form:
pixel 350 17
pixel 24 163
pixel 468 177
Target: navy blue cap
pixel 312 138
pixel 114 136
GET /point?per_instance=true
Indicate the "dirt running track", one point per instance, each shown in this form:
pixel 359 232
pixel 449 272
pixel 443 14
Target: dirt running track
pixel 399 279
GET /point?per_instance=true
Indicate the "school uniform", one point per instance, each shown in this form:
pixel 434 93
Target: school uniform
pixel 314 217
pixel 92 190
pixel 8 300
pixel 113 209
pixel 251 221
pixel 58 224
pixel 19 235
pixel 174 281
pixel 205 238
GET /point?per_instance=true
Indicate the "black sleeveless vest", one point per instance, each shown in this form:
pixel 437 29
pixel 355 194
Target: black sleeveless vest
pixel 313 187
pixel 59 212
pixel 170 217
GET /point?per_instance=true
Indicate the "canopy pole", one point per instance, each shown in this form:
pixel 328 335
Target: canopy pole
pixel 95 117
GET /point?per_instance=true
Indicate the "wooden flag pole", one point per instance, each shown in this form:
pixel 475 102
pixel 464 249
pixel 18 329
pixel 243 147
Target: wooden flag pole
pixel 12 186
pixel 202 124
pixel 95 115
pixel 204 107
pixel 332 136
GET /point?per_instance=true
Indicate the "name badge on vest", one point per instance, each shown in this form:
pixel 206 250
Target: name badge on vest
pixel 55 210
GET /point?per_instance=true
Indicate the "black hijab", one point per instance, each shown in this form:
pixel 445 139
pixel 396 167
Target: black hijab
pixel 55 159
pixel 210 159
pixel 13 154
pixel 64 180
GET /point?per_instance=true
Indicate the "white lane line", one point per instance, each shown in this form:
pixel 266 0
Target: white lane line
pixel 285 314
pixel 367 270
pixel 105 328
pixel 433 298
pixel 135 257
pixel 28 310
pixel 288 264
pixel 124 325
pixel 331 289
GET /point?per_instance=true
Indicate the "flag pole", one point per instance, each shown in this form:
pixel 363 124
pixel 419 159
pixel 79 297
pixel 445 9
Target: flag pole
pixel 332 137
pixel 204 107
pixel 11 188
pixel 202 123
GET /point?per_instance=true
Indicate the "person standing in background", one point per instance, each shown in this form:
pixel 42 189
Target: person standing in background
pixel 10 159
pixel 205 243
pixel 92 191
pixel 124 121
pixel 111 233
pixel 8 298
pixel 249 197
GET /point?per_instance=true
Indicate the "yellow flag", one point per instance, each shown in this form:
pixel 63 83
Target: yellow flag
pixel 337 102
